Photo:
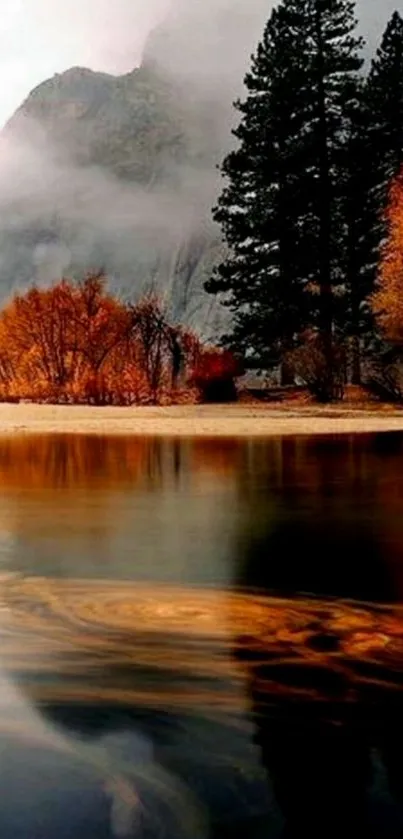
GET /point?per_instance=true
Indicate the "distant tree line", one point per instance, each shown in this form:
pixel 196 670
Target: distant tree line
pixel 304 206
pixel 77 343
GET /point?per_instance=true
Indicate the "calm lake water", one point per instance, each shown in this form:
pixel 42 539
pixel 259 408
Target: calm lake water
pixel 201 638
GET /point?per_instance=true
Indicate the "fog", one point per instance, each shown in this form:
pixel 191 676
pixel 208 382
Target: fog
pixel 200 38
pixel 93 218
pixel 58 219
pixel 41 37
pixel 211 41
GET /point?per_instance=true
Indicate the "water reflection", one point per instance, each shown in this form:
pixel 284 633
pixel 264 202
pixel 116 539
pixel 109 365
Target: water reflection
pixel 187 637
pixel 332 778
pixel 118 508
pixel 336 530
pixel 319 516
pixel 328 530
pixel 147 687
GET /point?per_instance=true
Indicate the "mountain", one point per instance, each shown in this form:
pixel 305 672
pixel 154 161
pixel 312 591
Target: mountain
pixel 112 172
pixel 120 172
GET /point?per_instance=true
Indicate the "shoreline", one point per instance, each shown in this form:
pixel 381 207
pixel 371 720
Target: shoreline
pixel 239 420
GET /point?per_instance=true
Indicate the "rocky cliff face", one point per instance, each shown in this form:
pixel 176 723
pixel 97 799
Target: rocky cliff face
pixel 112 172
pixel 120 172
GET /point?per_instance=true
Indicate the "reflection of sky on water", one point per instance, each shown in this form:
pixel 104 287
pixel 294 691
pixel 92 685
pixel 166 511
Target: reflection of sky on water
pixel 100 772
pixel 165 777
pixel 136 511
pixel 155 536
pixel 46 789
pixel 55 783
pixel 7 535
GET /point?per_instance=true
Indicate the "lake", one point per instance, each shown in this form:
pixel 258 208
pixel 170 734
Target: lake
pixel 201 638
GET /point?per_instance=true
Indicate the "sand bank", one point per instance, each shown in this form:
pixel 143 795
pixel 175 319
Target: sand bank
pixel 201 420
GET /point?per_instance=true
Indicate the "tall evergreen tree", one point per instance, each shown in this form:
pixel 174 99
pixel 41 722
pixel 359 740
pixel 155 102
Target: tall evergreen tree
pixel 373 155
pixel 260 207
pixel 356 204
pixel 280 210
pixel 385 101
pixel 384 98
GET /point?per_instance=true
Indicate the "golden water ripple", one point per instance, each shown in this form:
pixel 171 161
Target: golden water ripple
pixel 188 648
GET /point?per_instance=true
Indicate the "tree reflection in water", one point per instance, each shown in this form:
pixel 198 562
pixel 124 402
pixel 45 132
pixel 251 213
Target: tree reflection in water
pixel 327 539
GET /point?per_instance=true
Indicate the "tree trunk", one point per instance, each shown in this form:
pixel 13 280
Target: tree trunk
pixel 287 376
pixel 324 212
pixel 353 268
pixel 354 308
pixel 356 360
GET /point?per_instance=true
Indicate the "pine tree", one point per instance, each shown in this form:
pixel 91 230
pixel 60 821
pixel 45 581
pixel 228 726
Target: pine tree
pixel 356 204
pixel 385 101
pixel 280 210
pixel 258 210
pixel 373 154
pixel 384 98
pixel 373 157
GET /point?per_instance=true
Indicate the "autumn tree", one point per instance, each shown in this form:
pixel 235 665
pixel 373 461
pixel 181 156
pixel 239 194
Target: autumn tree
pixel 99 323
pixel 35 333
pixel 215 375
pixel 77 342
pixel 149 326
pixel 387 301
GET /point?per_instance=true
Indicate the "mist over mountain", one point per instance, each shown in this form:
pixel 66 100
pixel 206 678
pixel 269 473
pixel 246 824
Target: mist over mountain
pixel 119 172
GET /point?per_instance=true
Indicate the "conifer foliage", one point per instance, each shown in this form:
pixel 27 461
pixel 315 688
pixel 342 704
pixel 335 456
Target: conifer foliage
pixel 303 202
pixel 384 104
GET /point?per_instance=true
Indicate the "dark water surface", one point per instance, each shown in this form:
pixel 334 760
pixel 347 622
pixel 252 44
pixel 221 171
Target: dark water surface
pixel 201 638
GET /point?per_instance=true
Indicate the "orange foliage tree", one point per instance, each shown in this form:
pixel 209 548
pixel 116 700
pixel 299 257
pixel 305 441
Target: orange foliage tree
pixel 76 342
pixel 387 301
pixel 214 375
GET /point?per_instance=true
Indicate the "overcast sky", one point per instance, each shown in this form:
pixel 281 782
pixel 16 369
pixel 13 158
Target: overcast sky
pixel 41 37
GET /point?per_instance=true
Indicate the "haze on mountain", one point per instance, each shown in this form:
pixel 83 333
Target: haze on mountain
pixel 120 172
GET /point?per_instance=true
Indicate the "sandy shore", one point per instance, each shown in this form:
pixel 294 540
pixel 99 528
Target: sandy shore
pixel 200 420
